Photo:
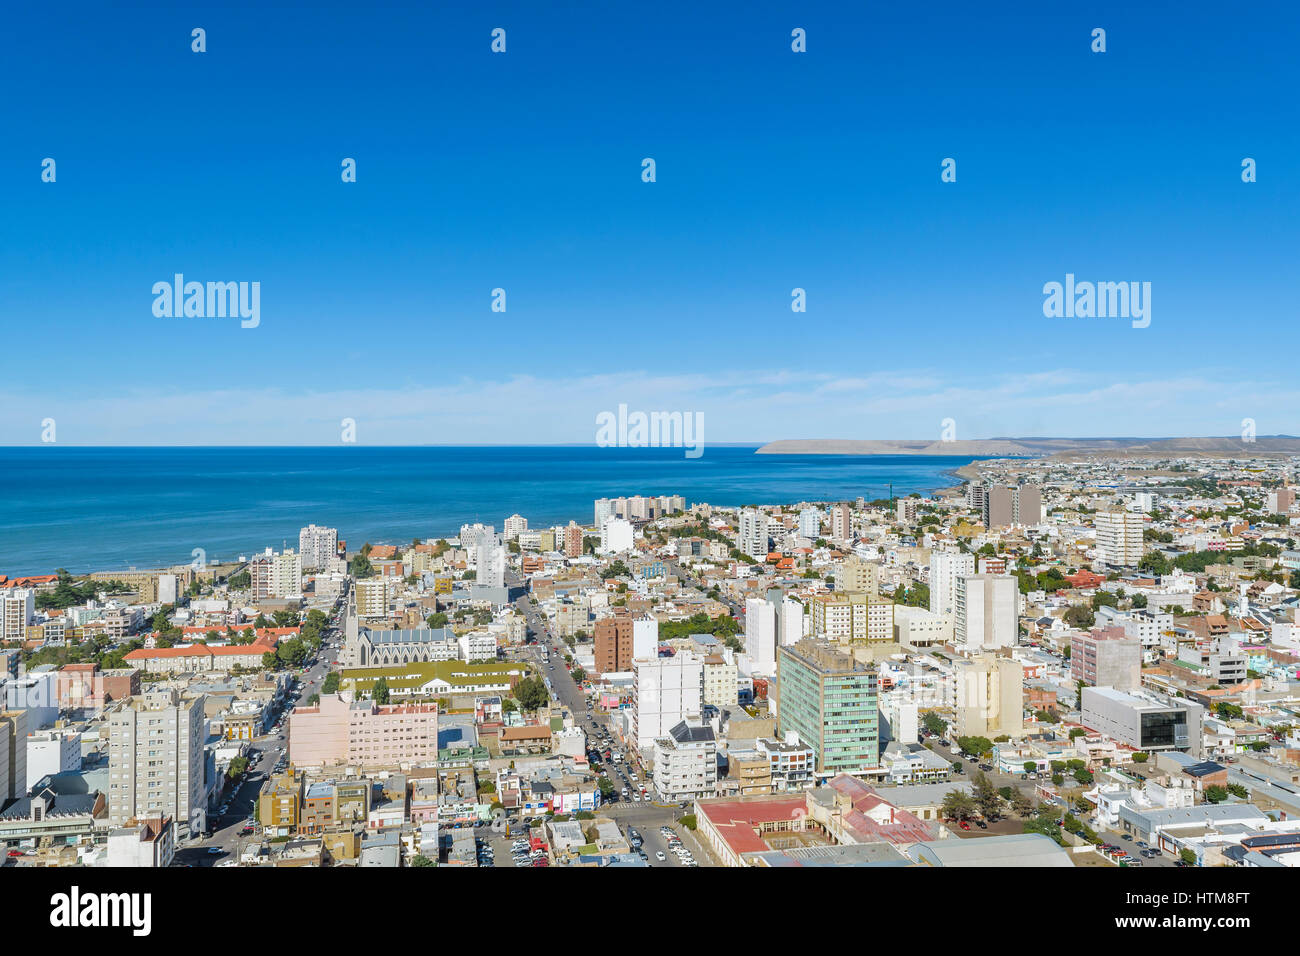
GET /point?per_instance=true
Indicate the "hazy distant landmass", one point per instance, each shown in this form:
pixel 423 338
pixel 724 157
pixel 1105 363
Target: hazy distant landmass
pixel 1039 447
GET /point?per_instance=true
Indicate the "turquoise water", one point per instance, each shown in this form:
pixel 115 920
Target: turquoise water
pixel 89 509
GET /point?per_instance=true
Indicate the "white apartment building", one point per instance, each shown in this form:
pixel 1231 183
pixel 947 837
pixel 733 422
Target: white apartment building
pixel 1119 537
pixel 490 562
pixel 316 546
pixel 810 523
pixel 615 536
pixel 155 760
pixel 760 635
pixel 986 615
pixel 17 609
pixel 752 539
pixel 645 637
pixel 513 526
pixel 792 621
pixel 477 646
pixel 50 752
pixel 945 568
pixel 665 691
pixel 686 762
pixel 921 628
pixel 286 574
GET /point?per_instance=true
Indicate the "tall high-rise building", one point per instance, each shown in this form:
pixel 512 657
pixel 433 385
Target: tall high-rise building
pixel 275 575
pixel 1006 505
pixel 372 597
pixel 791 619
pixel 945 568
pixel 17 608
pixel 13 754
pixel 1107 656
pixel 990 696
pixel 573 540
pixel 752 539
pixel 1281 501
pixel 490 562
pixel 615 536
pixel 841 522
pixel 614 646
pixel 286 574
pixel 513 525
pixel 645 637
pixel 1119 537
pixel 155 760
pixel 830 701
pixel 760 634
pixel 906 510
pixel 986 614
pixel 975 493
pixel 604 509
pixel 810 523
pixel 317 546
pixel 665 691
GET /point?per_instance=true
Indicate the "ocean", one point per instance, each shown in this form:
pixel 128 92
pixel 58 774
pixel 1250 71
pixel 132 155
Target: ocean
pixel 98 509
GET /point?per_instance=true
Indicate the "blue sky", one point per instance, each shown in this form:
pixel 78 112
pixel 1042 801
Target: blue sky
pixel 522 171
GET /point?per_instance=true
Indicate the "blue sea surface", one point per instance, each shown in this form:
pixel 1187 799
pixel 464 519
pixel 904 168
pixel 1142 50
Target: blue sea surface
pixel 90 509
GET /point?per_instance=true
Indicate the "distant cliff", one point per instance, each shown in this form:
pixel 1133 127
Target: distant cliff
pixel 1011 447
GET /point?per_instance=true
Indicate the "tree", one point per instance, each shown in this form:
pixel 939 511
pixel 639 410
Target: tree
pixel 974 745
pixel 606 787
pixel 579 675
pixel 987 797
pixel 1079 616
pixel 436 620
pixel 360 567
pixel 421 860
pixel 958 805
pixel 531 693
pixel 689 821
pixel 1031 767
pixel 1216 794
pixel 934 724
pixel 1020 803
pixel 1140 757
pixel 331 684
pixel 379 692
pixel 1187 856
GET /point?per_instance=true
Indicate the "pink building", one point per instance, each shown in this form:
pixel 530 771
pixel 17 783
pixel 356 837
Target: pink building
pixel 363 732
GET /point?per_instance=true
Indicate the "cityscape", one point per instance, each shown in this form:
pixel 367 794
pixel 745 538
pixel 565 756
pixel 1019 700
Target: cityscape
pixel 1063 661
pixel 700 440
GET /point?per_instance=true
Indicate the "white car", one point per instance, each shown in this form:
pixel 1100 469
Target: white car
pixel 659 855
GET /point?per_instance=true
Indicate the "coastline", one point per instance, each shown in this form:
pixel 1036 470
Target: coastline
pixel 113 509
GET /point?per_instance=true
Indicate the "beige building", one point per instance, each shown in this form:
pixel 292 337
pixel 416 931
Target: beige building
pixel 372 597
pixel 721 681
pixel 990 696
pixel 155 760
pixel 853 618
pixel 859 575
